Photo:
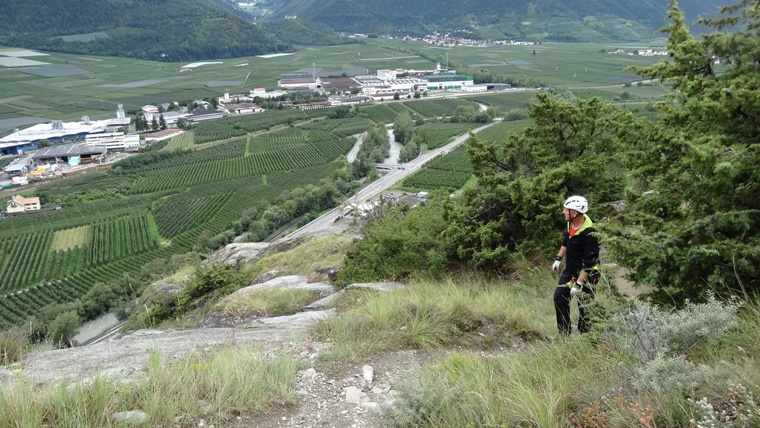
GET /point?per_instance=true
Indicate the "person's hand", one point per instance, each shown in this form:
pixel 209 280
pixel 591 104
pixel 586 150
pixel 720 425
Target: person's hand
pixel 555 265
pixel 576 289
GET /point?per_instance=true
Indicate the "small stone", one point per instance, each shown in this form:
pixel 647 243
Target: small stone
pixel 354 395
pixel 371 406
pixel 205 406
pixel 369 374
pixel 132 417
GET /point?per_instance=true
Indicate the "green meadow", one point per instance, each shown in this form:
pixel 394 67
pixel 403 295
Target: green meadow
pixel 103 82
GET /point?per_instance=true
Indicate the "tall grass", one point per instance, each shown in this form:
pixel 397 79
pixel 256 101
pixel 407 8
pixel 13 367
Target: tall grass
pixel 214 387
pixel 431 315
pixel 596 380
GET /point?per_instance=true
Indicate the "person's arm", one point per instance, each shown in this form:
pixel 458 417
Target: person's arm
pixel 562 251
pixel 558 258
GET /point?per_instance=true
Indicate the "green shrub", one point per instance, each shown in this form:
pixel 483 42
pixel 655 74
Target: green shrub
pixel 63 328
pixel 645 332
pixel 13 343
pixel 218 279
pixel 399 242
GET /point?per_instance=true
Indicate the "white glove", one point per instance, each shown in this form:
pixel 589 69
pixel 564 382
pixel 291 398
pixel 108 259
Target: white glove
pixel 576 289
pixel 555 265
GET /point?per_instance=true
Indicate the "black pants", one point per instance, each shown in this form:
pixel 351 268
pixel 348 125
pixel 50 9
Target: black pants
pixel 562 299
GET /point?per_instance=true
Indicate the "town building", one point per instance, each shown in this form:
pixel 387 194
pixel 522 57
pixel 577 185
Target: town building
pixel 438 82
pixel 156 136
pixel 243 108
pixel 19 167
pixel 20 204
pixel 349 100
pixel 73 154
pixel 300 83
pixel 114 140
pixel 201 115
pixel 57 131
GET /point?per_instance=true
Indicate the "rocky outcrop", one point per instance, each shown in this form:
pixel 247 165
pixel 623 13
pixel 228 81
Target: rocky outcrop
pixel 243 253
pixel 239 254
pixel 124 355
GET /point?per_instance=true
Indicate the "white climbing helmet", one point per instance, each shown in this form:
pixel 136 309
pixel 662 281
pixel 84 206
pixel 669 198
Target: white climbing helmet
pixel 577 203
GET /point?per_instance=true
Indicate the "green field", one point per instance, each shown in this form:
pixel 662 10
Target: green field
pixel 104 82
pixel 116 222
pixel 452 170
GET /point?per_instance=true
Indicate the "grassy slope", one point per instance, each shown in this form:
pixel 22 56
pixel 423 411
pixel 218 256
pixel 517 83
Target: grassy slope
pixel 494 360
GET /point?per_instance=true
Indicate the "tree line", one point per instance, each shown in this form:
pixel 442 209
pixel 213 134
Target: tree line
pixel 168 30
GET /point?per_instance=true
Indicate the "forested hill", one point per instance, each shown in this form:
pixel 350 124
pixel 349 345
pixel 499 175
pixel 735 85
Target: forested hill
pixel 559 20
pixel 172 30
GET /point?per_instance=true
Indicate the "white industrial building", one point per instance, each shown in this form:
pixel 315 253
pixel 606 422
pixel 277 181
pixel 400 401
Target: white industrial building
pixel 113 140
pixel 58 131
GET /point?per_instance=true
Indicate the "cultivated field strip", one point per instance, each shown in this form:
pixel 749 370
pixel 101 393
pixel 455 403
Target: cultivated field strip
pixel 438 108
pixel 24 259
pixel 340 127
pixel 119 238
pixel 70 238
pixel 18 306
pixel 175 217
pixel 449 171
pixel 264 155
pixel 180 142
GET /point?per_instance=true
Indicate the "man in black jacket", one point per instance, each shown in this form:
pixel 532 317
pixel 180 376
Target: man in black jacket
pixel 581 247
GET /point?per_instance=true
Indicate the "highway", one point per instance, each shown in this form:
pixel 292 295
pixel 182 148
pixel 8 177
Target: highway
pixel 373 189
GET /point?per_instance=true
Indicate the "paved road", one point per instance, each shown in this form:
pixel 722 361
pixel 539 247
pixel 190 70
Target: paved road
pixel 376 187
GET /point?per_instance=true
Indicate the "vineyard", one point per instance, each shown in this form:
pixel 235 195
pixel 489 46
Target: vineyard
pixel 34 275
pixel 23 259
pixel 500 131
pixel 237 125
pixel 180 142
pixel 113 240
pixel 440 134
pixel 340 127
pixel 383 113
pixel 506 101
pixel 438 107
pixel 243 158
pixel 175 217
pixel 201 181
pixel 70 238
pixel 448 171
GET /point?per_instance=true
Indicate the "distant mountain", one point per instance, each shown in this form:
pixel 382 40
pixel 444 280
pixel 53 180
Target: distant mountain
pixel 172 30
pixel 559 20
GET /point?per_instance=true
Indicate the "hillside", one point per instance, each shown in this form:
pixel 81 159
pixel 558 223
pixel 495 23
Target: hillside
pixel 461 351
pixel 574 20
pixel 171 30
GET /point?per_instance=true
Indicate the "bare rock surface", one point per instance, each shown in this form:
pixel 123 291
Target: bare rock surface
pixel 328 301
pixel 289 281
pixel 124 355
pixel 343 395
pixel 239 253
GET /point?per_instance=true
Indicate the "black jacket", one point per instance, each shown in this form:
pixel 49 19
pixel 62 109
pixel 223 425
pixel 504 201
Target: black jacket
pixel 582 249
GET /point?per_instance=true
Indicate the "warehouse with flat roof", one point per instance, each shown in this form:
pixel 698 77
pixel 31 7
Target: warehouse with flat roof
pixel 71 153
